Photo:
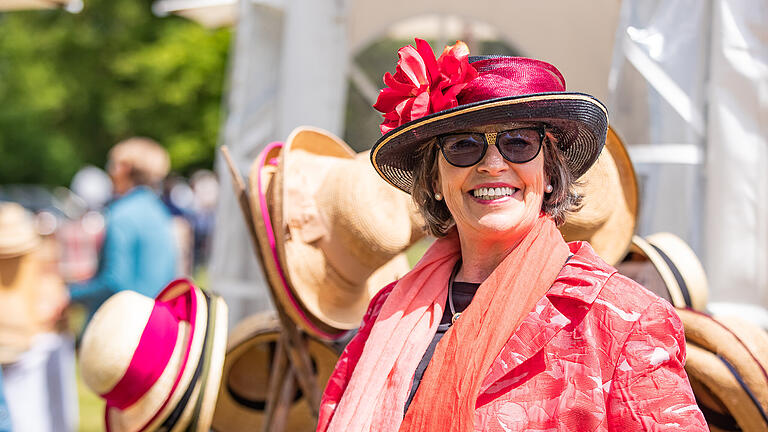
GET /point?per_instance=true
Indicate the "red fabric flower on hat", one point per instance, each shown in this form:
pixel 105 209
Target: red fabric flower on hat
pixel 423 85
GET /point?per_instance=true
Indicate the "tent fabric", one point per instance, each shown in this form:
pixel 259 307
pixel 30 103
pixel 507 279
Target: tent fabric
pixel 288 69
pixel 689 95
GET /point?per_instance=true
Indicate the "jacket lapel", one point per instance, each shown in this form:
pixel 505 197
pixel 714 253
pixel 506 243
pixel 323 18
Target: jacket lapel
pixel 573 292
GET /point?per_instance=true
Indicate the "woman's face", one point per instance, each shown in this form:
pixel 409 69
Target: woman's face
pixel 504 216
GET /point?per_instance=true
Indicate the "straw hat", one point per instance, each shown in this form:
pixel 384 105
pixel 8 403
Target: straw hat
pixel 427 97
pixel 608 214
pixel 157 362
pixel 339 230
pixel 260 179
pixel 17 231
pixel 667 266
pixel 243 393
pixel 727 373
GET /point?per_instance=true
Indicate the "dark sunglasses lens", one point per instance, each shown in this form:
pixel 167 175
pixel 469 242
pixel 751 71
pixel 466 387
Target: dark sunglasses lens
pixel 463 149
pixel 519 145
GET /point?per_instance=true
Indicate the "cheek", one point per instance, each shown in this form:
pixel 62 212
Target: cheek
pixel 535 179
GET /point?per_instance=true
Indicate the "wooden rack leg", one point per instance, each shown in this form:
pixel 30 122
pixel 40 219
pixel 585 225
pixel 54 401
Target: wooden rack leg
pixel 280 369
pixel 298 354
pixel 284 402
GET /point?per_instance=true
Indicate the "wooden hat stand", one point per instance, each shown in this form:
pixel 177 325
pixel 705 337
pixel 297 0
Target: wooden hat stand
pixel 292 364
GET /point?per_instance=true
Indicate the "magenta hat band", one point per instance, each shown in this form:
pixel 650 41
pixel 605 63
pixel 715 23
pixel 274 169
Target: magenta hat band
pixel 261 162
pixel 149 360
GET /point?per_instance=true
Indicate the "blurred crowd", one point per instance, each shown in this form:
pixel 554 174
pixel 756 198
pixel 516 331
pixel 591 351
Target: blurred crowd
pixel 64 251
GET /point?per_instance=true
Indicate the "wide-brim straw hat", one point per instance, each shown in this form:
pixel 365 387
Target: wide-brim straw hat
pixel 667 266
pixel 243 393
pixel 608 214
pixel 726 364
pixel 157 362
pixel 505 90
pixel 340 232
pixel 18 235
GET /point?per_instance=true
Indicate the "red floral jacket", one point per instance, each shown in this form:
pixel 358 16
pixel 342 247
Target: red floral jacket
pixel 597 353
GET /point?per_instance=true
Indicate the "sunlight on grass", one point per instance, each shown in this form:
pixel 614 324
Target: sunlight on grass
pixel 91 408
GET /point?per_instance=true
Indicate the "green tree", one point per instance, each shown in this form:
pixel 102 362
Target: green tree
pixel 72 85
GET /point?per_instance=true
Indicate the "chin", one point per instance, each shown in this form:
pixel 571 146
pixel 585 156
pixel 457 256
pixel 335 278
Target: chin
pixel 500 224
pixel 506 223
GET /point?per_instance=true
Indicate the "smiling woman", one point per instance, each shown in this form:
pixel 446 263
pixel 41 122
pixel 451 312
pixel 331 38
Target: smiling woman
pixel 503 325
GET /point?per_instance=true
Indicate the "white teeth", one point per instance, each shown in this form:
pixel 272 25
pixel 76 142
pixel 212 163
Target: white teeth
pixel 492 193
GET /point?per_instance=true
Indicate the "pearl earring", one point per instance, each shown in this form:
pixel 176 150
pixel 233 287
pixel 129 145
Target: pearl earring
pixel 438 196
pixel 549 188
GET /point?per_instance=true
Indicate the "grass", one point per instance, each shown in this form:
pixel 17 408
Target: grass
pixel 91 408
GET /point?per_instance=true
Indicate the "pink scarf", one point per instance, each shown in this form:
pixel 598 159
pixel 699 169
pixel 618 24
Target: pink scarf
pixel 375 397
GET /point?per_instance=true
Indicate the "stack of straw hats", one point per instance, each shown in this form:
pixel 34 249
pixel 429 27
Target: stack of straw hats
pixel 727 364
pixel 157 362
pixel 30 297
pixel 330 233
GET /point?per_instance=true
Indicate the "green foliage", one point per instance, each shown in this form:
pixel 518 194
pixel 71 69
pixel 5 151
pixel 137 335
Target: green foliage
pixel 72 85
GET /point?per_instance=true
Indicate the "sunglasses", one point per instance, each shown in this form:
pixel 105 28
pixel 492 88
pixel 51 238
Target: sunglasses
pixel 468 148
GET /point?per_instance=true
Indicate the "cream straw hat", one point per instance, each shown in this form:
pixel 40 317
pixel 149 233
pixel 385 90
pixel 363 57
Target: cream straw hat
pixel 157 362
pixel 726 370
pixel 608 214
pixel 340 231
pixel 666 265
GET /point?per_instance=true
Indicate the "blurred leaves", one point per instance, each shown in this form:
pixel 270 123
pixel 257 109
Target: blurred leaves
pixel 71 86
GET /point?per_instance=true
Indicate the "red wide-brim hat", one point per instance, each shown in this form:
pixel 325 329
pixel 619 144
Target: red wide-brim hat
pixel 505 90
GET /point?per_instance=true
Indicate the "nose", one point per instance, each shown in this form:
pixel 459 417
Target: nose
pixel 493 162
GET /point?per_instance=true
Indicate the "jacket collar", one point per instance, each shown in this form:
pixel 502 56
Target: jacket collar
pixel 573 292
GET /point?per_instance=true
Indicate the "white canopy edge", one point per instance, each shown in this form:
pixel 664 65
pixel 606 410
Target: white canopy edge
pixel 72 6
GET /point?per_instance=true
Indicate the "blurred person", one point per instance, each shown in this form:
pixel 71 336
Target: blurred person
pixel 178 198
pixel 205 185
pixel 37 358
pixel 139 250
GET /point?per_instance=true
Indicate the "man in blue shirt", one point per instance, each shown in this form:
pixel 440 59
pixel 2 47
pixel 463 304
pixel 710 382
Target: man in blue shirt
pixel 139 251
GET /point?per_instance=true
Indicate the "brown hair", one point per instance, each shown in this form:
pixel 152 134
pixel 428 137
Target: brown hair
pixel 149 162
pixel 438 219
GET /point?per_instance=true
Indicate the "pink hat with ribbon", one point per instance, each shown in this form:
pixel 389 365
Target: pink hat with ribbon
pixel 429 96
pixel 157 362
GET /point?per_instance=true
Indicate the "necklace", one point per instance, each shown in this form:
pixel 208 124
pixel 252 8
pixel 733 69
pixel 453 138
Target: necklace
pixel 454 315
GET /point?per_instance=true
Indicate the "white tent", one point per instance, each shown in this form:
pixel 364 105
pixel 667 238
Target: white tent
pixel 689 93
pixel 685 83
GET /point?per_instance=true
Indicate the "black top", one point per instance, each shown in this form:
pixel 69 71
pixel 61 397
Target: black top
pixel 463 292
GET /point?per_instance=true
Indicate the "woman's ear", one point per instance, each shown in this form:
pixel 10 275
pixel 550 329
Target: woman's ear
pixel 436 187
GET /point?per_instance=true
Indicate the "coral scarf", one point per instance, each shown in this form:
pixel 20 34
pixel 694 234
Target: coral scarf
pixel 375 398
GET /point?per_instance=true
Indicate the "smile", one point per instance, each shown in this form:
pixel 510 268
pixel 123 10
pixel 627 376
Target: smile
pixel 492 193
